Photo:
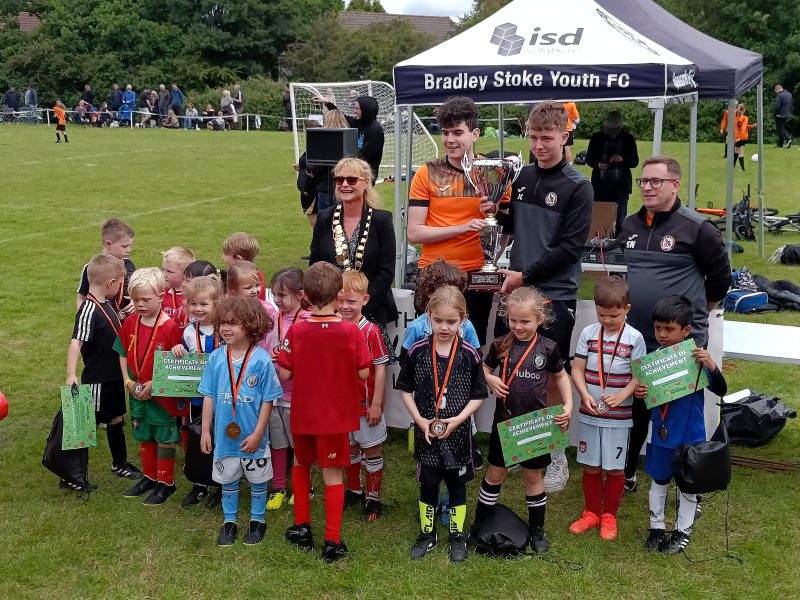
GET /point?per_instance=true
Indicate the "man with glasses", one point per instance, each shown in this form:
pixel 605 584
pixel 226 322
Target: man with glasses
pixel 669 249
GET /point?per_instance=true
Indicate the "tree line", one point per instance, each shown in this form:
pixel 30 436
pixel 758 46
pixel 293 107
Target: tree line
pixel 206 45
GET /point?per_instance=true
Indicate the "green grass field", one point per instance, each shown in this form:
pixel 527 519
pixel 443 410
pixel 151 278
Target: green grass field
pixel 193 189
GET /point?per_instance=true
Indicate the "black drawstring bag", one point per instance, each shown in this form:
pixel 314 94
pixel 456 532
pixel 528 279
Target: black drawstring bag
pixel 704 467
pixel 70 465
pixel 198 466
pixel 502 533
pixel 755 420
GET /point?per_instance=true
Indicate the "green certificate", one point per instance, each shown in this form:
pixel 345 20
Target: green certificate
pixel 77 407
pixel 175 377
pixel 531 435
pixel 670 373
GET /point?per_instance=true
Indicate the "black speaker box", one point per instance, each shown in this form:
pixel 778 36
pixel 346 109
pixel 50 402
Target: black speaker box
pixel 326 147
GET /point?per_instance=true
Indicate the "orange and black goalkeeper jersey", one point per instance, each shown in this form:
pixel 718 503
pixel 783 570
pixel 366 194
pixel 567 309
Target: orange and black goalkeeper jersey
pixel 451 200
pixel 60 115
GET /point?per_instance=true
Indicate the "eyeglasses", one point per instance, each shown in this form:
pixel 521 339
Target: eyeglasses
pixel 350 180
pixel 655 182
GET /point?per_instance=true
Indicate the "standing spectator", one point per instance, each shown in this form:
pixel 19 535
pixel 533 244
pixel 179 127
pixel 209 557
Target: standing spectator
pixel 612 153
pixel 129 101
pixel 549 217
pixel 783 110
pixel 143 105
pixel 669 250
pixel 176 99
pixel 164 102
pixel 370 132
pixel 31 98
pixel 287 124
pixel 741 133
pixel 115 100
pixel 226 106
pixel 12 100
pixel 191 118
pixel 87 95
pixel 238 99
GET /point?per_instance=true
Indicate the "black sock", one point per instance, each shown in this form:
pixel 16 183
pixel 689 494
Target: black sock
pixel 58 137
pixel 66 139
pixel 116 443
pixel 487 497
pixel 536 506
pixel 741 162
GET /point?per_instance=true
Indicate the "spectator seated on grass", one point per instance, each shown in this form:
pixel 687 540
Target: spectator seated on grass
pixel 104 116
pixel 171 122
pixel 191 118
pixel 81 115
pixel 208 115
pixel 217 123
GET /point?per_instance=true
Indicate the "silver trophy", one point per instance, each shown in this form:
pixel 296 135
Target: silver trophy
pixel 490 177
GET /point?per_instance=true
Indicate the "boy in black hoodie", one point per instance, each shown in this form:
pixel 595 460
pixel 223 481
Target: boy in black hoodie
pixel 370 132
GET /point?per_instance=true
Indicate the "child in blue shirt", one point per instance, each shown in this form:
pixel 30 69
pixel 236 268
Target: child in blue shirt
pixel 239 385
pixel 681 421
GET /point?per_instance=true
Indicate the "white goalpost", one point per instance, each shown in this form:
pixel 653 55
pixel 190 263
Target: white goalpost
pixel 343 95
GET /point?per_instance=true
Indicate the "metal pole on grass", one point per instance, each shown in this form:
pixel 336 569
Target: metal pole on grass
pixel 657 129
pixel 693 153
pixel 729 180
pixel 407 188
pixel 760 138
pixel 398 222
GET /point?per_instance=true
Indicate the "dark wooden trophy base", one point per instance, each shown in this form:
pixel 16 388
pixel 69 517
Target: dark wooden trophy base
pixel 482 281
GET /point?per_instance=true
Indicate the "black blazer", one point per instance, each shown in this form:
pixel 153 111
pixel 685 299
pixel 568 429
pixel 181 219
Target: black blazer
pixel 379 255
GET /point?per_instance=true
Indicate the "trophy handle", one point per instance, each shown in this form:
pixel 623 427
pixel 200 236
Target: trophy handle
pixel 466 165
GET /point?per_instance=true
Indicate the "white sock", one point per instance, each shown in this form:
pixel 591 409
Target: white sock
pixel 658 503
pixel 687 503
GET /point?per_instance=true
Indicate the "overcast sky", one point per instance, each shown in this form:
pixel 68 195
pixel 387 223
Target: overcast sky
pixel 445 8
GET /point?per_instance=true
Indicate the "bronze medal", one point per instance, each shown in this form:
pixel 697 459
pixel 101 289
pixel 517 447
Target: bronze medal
pixel 602 407
pixel 137 389
pixel 437 428
pixel 233 431
pixel 663 434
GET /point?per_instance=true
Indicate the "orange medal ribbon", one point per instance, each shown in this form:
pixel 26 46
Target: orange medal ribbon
pixel 113 322
pixel 137 360
pixel 235 385
pixel 437 390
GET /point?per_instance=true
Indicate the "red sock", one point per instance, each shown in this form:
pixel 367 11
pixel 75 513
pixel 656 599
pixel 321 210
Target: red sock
pixel 353 473
pixel 279 468
pixel 612 494
pixel 149 460
pixel 166 470
pixel 592 491
pixel 374 481
pixel 301 487
pixel 185 438
pixel 334 504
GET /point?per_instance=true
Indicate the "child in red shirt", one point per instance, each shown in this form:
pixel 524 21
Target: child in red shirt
pixel 325 357
pixel 153 419
pixel 372 429
pixel 175 260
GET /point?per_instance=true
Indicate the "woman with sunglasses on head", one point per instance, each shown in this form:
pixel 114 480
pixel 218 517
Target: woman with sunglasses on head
pixel 355 234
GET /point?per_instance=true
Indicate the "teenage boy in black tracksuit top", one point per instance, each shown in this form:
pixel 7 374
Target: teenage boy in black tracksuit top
pixel 669 250
pixel 549 217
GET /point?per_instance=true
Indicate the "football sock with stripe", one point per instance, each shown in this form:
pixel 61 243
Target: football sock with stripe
pixel 687 504
pixel 230 500
pixel 658 503
pixel 537 505
pixel 353 471
pixel 258 501
pixel 116 444
pixel 612 492
pixel 150 460
pixel 279 463
pixel 301 486
pixel 487 497
pixel 592 491
pixel 374 477
pixel 334 504
pixel 165 465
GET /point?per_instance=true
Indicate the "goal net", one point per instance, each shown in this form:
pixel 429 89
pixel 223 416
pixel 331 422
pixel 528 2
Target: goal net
pixel 344 95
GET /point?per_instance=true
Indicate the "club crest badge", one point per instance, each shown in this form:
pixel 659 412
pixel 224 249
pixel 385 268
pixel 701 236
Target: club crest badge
pixel 538 361
pixel 551 199
pixel 252 381
pixel 623 352
pixel 582 446
pixel 667 243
